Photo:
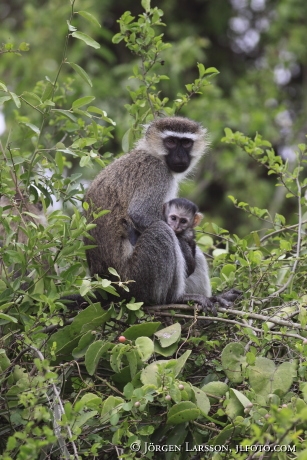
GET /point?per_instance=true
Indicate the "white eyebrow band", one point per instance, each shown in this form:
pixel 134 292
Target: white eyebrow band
pixel 191 136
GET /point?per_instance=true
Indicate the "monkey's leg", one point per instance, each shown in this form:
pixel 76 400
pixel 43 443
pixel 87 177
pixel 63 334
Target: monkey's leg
pixel 199 281
pixel 157 266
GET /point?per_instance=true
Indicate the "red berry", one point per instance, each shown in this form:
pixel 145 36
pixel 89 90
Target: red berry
pixel 122 339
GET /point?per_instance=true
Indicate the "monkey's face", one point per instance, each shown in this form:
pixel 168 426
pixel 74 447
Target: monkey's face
pixel 178 156
pixel 178 222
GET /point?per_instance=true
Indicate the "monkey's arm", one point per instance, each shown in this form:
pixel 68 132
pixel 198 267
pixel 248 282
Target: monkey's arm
pixel 142 220
pixel 146 206
pixel 187 250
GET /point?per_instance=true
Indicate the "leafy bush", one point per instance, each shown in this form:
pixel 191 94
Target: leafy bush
pixel 119 383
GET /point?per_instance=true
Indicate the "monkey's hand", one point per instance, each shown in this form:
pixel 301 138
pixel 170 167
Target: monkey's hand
pixel 226 299
pixel 206 303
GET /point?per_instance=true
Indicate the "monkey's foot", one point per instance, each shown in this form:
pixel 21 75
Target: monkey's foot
pixel 206 303
pixel 226 299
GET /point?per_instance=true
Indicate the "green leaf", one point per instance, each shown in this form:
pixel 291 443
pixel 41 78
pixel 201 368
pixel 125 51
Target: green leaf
pixel 24 46
pixel 32 95
pixel 141 330
pixel 111 405
pixel 89 17
pixel 152 373
pixel 93 355
pixel 82 419
pixel 117 38
pixel 66 113
pixel 182 412
pixel 237 403
pixel 228 269
pixel 217 389
pixel 113 272
pixel 218 252
pixel 202 400
pixel 15 99
pixel 134 306
pixel 228 133
pixel 127 140
pixel 266 378
pixel 146 5
pixel 59 161
pixel 81 72
pixel 83 142
pixel 169 335
pixel 4 99
pixel 4 360
pixel 83 345
pixel 4 306
pixel 34 128
pixel 2 85
pixel 47 91
pixel 211 70
pixel 132 358
pixel 241 397
pixel 82 101
pixel 229 432
pixel 68 337
pixel 168 351
pixel 145 347
pixel 234 361
pixel 116 356
pixel 201 69
pixel 91 401
pixel 88 40
pixel 181 362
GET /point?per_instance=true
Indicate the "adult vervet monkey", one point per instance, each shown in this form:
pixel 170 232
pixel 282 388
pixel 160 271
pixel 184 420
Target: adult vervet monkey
pixel 134 189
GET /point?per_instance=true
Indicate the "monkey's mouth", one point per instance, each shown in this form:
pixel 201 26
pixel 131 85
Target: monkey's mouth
pixel 179 167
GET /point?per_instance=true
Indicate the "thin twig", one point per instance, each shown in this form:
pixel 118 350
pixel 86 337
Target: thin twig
pixel 283 229
pixel 160 310
pixel 230 321
pixel 58 412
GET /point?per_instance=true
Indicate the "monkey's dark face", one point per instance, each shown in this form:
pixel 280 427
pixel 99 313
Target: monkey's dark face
pixel 179 149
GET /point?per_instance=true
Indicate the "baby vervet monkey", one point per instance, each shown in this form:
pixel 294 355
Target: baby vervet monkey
pixel 182 216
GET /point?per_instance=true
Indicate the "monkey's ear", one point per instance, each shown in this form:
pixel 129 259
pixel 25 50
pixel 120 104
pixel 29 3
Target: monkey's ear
pixel 197 219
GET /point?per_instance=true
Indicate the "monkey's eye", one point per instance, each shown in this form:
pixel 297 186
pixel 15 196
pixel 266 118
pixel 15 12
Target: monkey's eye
pixel 186 143
pixel 171 142
pixel 39 205
pixel 183 221
pixel 173 217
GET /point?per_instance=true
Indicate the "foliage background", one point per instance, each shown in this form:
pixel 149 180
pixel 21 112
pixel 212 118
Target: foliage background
pixel 108 393
pixel 257 46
